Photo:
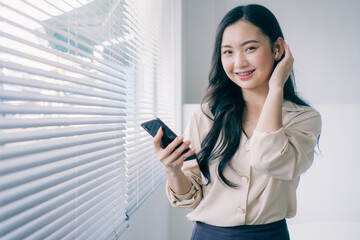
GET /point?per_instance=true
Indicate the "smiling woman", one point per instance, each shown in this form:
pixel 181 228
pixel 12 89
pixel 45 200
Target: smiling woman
pixel 253 135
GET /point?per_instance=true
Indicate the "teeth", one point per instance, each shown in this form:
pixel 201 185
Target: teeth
pixel 245 74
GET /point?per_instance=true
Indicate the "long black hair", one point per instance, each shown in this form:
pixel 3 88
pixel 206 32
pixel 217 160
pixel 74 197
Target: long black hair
pixel 224 97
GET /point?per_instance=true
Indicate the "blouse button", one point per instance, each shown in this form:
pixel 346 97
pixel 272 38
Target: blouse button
pixel 240 210
pixel 245 179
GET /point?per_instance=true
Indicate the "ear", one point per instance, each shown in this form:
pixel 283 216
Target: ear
pixel 278 48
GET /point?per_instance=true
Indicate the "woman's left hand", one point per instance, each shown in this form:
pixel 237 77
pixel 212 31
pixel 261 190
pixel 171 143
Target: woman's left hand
pixel 283 69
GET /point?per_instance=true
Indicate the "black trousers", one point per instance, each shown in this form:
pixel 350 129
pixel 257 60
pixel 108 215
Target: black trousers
pixel 272 231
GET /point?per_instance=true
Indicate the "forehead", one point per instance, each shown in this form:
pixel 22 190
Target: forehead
pixel 242 31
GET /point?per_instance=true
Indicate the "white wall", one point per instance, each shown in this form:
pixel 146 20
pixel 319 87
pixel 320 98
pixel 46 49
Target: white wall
pixel 329 193
pixel 150 220
pixel 324 39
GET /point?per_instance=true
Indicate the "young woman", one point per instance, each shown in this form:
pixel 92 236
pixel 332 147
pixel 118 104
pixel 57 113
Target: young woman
pixel 253 135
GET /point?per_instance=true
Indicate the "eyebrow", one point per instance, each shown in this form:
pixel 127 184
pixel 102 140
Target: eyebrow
pixel 243 44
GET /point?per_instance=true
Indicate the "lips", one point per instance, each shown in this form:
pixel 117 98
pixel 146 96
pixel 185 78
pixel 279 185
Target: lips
pixel 245 75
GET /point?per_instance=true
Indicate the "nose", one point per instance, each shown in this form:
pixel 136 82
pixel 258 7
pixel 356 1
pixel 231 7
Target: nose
pixel 240 60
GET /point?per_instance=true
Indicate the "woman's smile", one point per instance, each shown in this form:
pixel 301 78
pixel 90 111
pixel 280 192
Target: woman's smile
pixel 245 75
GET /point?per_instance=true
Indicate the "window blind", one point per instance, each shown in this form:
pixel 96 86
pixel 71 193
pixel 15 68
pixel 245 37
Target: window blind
pixel 77 77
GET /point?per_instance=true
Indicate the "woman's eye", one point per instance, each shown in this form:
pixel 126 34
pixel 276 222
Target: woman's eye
pixel 250 49
pixel 227 52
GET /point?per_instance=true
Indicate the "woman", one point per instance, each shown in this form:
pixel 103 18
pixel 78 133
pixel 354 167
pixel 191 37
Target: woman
pixel 255 136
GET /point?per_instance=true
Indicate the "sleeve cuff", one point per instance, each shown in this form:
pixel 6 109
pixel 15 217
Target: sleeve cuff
pixel 183 197
pixel 187 195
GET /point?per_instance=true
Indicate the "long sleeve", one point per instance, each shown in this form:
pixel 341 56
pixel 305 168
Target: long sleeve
pixel 190 168
pixel 289 151
pixel 194 196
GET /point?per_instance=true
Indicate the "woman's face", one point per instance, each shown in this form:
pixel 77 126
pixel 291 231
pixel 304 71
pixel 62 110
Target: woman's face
pixel 247 56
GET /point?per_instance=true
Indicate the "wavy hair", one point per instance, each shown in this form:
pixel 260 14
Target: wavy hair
pixel 224 98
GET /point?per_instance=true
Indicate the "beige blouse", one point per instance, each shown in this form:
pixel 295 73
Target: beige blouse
pixel 266 169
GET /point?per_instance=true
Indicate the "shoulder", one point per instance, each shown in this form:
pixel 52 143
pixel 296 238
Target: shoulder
pixel 200 123
pixel 294 114
pixel 203 114
pixel 295 109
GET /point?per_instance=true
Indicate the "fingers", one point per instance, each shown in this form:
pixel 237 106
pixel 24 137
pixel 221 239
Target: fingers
pixel 188 154
pixel 175 151
pixel 156 140
pixel 284 48
pixel 179 149
pixel 288 53
pixel 288 56
pixel 169 150
pixel 177 141
pixel 283 68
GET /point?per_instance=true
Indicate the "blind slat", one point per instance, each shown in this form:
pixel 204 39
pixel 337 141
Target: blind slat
pixel 61 99
pixel 60 110
pixel 44 85
pixel 58 132
pixel 61 190
pixel 57 53
pixel 24 224
pixel 66 121
pixel 147 151
pixel 103 233
pixel 61 66
pixel 60 154
pixel 10 156
pixel 102 159
pixel 60 32
pixel 51 75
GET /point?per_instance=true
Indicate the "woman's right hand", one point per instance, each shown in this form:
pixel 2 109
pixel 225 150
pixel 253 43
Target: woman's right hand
pixel 170 158
pixel 283 69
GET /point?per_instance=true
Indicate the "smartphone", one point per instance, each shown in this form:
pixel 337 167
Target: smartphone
pixel 153 126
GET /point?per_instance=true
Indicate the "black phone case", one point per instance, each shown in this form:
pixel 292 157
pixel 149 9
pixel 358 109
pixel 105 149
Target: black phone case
pixel 153 126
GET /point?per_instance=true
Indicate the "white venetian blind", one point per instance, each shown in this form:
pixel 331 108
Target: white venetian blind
pixel 77 77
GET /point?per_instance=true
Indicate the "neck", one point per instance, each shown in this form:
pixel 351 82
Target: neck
pixel 254 99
